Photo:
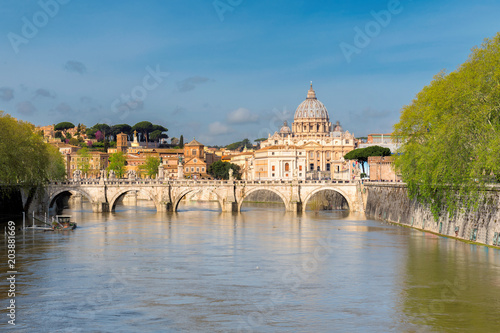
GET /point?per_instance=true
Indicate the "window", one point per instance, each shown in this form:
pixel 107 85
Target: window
pixel 195 160
pixel 192 169
pixel 317 154
pixel 328 167
pixel 300 167
pixel 311 166
pixel 187 169
pixel 319 168
pixel 272 153
pixel 311 154
pixel 197 169
pixel 275 142
pixel 273 168
pixel 193 151
pixel 300 174
pixel 202 169
pixel 273 174
pixel 346 142
pixel 287 167
pixel 327 154
pixel 338 168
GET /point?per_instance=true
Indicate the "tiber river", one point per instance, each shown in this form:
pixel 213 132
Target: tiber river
pixel 262 270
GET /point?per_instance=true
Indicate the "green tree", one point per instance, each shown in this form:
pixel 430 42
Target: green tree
pixel 181 142
pixel 234 145
pixel 150 167
pixel 64 126
pixel 58 135
pixel 74 141
pixel 25 160
pixel 84 160
pixel 157 135
pixel 143 127
pixel 121 128
pixel 450 134
pixel 220 170
pixel 117 162
pixel 246 144
pixel 361 155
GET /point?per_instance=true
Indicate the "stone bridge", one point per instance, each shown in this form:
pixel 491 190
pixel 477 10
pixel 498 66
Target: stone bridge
pixel 166 195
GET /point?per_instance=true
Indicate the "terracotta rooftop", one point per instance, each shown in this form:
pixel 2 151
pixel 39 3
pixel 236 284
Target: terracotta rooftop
pixel 194 143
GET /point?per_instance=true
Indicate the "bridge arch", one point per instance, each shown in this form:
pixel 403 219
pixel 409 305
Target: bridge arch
pixel 185 192
pixel 283 198
pixel 53 196
pixel 327 188
pixel 119 194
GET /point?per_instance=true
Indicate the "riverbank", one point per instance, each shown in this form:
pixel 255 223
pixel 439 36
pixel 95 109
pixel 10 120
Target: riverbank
pixel 390 202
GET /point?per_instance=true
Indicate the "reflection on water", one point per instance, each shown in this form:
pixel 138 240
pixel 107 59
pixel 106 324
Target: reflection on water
pixel 263 270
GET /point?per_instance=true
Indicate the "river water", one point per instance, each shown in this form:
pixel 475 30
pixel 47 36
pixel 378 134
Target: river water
pixel 262 270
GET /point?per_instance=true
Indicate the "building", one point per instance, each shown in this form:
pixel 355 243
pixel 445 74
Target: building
pixel 122 142
pixel 95 161
pixel 382 169
pixel 197 161
pixel 323 143
pixel 280 163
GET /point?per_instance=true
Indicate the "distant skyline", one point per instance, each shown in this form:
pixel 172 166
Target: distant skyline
pixel 222 70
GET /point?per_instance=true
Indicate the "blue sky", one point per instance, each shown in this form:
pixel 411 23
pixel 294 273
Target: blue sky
pixel 231 72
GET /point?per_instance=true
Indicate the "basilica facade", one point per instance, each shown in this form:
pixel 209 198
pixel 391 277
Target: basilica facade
pixel 313 148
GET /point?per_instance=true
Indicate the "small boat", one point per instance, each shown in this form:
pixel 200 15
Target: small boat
pixel 63 222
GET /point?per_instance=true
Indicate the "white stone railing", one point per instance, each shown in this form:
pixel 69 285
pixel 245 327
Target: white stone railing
pixel 158 182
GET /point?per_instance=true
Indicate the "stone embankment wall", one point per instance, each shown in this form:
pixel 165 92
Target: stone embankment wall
pixel 390 202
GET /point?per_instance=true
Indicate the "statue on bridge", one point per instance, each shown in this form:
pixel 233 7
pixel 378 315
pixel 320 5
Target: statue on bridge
pixel 112 174
pixel 77 175
pixel 231 174
pixel 131 175
pixel 161 172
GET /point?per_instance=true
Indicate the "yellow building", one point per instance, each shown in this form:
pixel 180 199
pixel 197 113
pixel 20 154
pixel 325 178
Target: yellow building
pixel 96 161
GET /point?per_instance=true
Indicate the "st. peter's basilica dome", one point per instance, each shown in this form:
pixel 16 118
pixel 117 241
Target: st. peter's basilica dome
pixel 311 108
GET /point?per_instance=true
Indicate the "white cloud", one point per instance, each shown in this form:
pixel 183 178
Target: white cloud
pixel 218 128
pixel 241 116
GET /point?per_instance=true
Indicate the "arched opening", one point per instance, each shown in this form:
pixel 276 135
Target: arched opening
pixel 69 199
pixel 287 167
pixel 327 200
pixel 198 200
pixel 132 200
pixel 262 199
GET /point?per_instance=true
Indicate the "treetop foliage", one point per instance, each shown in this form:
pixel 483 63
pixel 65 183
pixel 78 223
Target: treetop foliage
pixel 24 158
pixel 361 154
pixel 116 162
pixel 65 125
pixel 240 145
pixel 220 170
pixel 450 133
